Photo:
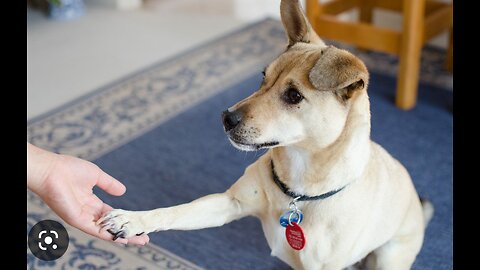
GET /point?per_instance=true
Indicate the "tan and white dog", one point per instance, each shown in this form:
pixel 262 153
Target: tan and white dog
pixel 312 111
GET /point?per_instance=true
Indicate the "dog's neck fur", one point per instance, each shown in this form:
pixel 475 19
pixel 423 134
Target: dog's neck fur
pixel 311 171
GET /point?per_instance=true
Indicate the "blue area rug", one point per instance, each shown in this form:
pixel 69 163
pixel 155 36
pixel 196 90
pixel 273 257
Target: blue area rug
pixel 164 140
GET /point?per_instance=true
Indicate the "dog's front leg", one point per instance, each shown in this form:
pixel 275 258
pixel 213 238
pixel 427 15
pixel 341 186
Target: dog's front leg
pixel 243 198
pixel 209 211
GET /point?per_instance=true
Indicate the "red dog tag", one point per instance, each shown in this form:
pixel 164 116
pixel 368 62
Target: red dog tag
pixel 295 236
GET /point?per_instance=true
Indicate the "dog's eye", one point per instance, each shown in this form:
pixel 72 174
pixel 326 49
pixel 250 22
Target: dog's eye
pixel 292 96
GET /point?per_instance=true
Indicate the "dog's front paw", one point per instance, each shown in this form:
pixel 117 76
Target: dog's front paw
pixel 122 223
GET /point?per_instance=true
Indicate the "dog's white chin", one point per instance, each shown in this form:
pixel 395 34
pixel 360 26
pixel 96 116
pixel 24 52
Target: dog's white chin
pixel 251 147
pixel 242 147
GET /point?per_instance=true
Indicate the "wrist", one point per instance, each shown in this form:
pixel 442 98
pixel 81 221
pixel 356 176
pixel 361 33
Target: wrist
pixel 39 164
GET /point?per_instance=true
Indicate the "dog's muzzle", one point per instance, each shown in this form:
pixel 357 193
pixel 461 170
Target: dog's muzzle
pixel 231 119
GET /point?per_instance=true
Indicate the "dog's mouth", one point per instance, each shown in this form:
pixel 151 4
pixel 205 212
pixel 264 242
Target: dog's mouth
pixel 240 144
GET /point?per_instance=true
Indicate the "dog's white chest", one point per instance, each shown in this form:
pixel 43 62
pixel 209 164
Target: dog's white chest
pixel 317 242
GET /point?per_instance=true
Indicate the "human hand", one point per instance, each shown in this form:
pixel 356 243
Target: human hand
pixel 65 183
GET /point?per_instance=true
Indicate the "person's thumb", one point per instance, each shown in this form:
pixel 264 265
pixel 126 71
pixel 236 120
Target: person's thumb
pixel 110 184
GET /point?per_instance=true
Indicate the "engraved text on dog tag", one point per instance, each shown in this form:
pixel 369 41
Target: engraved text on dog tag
pixel 295 236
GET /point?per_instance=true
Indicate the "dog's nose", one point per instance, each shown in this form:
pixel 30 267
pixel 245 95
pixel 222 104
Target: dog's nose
pixel 231 119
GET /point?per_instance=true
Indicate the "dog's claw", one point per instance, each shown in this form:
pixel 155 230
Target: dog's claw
pixel 121 224
pixel 102 224
pixel 106 225
pixel 119 234
pixel 103 219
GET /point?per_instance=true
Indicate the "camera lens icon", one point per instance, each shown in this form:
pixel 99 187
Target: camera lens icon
pixel 48 240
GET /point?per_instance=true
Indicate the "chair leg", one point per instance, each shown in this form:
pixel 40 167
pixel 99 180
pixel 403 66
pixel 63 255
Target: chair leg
pixel 366 11
pixel 410 50
pixel 449 63
pixel 365 16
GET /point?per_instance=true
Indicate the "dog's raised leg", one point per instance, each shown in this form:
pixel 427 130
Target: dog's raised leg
pixel 209 211
pixel 213 210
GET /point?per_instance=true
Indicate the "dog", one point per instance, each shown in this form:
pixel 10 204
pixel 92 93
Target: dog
pixel 327 196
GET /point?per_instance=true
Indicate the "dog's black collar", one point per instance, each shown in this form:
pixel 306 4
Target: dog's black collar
pixel 299 197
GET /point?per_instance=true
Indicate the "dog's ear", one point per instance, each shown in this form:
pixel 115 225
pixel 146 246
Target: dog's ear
pixel 296 25
pixel 340 71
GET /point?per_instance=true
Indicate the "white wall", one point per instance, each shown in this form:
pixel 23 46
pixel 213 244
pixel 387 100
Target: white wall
pixel 256 9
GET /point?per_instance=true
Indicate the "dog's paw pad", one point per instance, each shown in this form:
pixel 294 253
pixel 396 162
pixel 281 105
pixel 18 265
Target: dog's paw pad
pixel 121 224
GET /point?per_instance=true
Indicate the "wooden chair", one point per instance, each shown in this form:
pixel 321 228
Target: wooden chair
pixel 422 20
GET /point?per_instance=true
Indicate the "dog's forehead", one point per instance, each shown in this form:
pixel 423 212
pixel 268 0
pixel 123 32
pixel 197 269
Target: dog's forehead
pixel 301 56
pixel 295 62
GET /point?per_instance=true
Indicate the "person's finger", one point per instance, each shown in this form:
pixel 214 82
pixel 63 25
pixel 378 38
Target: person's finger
pixel 110 184
pixel 121 241
pixel 139 240
pixel 105 209
pixel 89 227
pixel 88 210
pixel 100 207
